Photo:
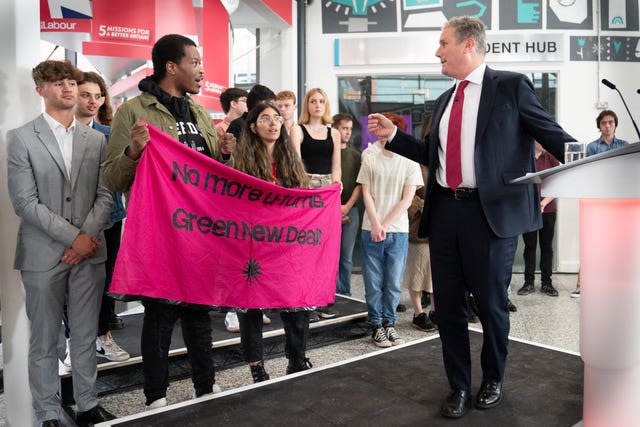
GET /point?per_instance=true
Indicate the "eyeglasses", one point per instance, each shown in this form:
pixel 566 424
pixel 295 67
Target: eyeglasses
pixel 268 119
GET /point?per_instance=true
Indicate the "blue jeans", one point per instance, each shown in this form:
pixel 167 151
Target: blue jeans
pixel 382 270
pixel 347 242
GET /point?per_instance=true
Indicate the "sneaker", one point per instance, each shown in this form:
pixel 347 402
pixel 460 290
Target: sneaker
pixel 526 289
pixel 158 403
pixel 432 317
pixel 575 294
pixel 380 338
pixel 215 389
pixel 327 313
pixel 115 322
pixel 231 322
pixel 401 308
pixel 62 368
pixel 393 335
pixel 107 347
pixel 314 317
pixel 423 323
pixel 67 358
pixel 265 320
pixel 549 290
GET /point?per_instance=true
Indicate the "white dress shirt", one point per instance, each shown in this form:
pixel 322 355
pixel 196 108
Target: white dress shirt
pixel 468 132
pixel 64 136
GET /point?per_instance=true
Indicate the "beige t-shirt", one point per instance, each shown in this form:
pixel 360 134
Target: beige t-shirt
pixel 387 177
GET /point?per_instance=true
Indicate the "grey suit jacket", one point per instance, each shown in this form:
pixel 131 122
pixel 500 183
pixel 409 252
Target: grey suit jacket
pixel 54 207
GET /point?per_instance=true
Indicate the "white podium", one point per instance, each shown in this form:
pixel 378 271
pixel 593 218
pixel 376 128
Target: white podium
pixel 608 186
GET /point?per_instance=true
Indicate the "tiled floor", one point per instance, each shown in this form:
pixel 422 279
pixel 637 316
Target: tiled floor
pixel 552 321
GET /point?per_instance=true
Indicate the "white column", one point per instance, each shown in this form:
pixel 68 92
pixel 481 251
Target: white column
pixel 20 51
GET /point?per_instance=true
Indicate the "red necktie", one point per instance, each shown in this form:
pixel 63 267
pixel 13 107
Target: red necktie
pixel 454 168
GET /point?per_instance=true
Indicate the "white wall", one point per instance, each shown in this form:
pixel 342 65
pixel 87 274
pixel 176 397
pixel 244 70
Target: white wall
pixel 579 89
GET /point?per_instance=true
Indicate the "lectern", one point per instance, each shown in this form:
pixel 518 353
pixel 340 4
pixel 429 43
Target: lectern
pixel 608 186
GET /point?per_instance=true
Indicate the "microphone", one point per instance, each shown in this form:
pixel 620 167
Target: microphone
pixel 610 85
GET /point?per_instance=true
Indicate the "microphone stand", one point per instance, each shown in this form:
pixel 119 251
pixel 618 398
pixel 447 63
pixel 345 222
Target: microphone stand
pixel 628 111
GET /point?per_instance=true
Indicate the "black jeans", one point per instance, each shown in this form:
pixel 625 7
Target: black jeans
pixel 107 309
pixel 545 237
pixel 159 319
pixel 296 330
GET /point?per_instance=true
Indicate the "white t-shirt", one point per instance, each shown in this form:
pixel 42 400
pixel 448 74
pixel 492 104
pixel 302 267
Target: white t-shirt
pixel 387 177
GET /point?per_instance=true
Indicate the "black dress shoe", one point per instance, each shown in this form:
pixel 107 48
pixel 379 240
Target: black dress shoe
pixel 455 405
pixel 489 395
pixel 95 415
pixel 49 423
pixel 512 306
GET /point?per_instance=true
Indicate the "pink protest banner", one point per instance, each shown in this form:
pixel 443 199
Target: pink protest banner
pixel 200 232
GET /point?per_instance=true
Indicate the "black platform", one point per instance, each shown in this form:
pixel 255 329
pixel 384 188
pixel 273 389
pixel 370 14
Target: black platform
pixel 118 376
pixel 400 387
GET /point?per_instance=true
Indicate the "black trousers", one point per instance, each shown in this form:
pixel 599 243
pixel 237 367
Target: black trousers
pixel 545 237
pixel 112 237
pixel 296 331
pixel 159 319
pixel 466 256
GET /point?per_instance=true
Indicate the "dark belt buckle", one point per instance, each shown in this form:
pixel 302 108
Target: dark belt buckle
pixel 462 193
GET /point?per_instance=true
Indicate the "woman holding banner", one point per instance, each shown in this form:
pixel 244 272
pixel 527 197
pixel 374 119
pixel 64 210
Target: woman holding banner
pixel 266 153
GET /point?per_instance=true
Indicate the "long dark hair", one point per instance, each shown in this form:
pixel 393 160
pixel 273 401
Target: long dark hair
pixel 252 157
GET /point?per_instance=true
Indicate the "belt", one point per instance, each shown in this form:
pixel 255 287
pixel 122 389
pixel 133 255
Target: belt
pixel 460 193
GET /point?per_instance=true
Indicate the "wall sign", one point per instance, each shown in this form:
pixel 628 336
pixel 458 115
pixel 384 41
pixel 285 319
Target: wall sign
pixel 613 49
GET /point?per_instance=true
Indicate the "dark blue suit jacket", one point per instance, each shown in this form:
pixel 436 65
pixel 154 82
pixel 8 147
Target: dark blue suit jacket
pixel 510 117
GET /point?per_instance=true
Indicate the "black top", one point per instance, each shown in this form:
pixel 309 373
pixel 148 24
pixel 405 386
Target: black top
pixel 316 153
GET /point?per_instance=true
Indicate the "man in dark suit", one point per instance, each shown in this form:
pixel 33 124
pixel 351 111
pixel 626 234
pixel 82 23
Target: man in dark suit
pixel 55 186
pixel 481 138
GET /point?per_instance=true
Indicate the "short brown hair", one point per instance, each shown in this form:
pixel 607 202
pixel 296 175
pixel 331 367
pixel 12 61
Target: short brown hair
pixel 397 120
pixel 341 117
pixel 286 94
pixel 52 71
pixel 605 113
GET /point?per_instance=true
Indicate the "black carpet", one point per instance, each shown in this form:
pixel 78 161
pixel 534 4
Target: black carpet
pixel 403 387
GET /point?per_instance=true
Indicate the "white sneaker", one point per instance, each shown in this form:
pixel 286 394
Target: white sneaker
pixel 62 369
pixel 216 389
pixel 159 403
pixel 67 358
pixel 265 319
pixel 107 347
pixel 231 322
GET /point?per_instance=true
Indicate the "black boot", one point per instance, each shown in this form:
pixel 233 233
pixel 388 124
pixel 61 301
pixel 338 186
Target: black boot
pixel 258 373
pixel 297 365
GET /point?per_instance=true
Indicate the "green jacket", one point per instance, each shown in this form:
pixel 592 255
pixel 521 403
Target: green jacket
pixel 119 170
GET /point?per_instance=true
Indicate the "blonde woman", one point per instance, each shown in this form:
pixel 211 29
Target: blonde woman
pixel 315 141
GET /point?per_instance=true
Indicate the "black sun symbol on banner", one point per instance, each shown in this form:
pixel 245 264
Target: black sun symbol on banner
pixel 252 271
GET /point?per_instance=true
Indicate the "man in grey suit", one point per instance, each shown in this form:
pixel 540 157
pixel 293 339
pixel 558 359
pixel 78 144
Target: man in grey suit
pixel 55 186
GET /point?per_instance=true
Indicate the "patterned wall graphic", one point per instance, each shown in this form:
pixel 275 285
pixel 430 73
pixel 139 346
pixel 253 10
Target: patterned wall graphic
pixel 618 49
pixel 421 15
pixel 619 15
pixel 520 14
pixel 359 16
pixel 569 14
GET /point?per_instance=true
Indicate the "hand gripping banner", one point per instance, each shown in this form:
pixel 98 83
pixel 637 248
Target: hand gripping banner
pixel 200 232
